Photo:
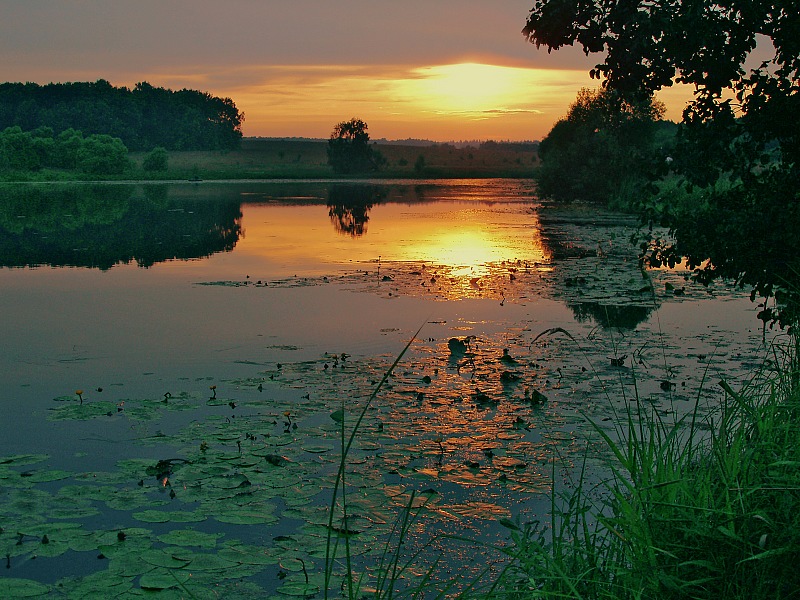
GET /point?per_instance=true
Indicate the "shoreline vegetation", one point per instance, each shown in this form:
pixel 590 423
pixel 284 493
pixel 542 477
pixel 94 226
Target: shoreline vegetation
pixel 266 158
pixel 691 508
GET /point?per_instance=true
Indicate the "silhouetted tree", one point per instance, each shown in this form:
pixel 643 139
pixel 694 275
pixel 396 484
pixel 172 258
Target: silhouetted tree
pixel 143 118
pixel 600 151
pixel 349 150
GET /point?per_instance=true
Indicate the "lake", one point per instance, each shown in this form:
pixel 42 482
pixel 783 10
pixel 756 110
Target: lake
pixel 179 361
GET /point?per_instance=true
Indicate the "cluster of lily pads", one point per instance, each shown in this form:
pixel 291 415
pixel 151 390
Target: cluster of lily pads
pixel 237 501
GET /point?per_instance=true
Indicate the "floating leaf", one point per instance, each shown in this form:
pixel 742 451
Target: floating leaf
pixel 23 459
pixel 248 515
pixel 96 586
pixel 21 588
pixel 298 589
pixel 479 510
pixel 152 516
pixel 239 553
pixel 190 537
pixel 161 558
pixel 163 579
pixel 317 448
pixel 207 562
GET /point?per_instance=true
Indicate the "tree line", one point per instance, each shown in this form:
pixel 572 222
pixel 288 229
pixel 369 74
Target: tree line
pixel 143 118
pixel 96 154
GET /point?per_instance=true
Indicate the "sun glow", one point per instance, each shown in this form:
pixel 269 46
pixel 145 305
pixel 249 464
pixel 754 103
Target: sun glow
pixel 439 102
pixel 468 87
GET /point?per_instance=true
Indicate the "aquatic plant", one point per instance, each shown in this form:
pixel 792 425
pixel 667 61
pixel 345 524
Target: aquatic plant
pixel 701 507
pixel 340 483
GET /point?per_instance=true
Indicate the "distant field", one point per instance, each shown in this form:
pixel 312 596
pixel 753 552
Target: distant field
pixel 259 158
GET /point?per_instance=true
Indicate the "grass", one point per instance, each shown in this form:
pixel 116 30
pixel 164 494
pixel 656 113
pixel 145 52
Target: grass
pixel 308 159
pixel 296 159
pixel 697 508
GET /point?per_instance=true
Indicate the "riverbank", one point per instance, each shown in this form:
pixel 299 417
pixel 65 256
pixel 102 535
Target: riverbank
pixel 700 507
pixel 307 159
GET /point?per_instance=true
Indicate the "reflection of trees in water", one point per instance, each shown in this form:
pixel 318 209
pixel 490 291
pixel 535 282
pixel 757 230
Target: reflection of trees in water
pixel 595 268
pixel 100 226
pixel 349 206
pixel 611 316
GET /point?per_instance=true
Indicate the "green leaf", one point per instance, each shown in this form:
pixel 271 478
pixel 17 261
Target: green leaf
pixel 160 558
pixel 190 537
pixel 21 588
pixel 163 579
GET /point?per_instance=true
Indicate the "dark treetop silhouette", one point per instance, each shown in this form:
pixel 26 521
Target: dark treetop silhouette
pixel 143 117
pixel 740 138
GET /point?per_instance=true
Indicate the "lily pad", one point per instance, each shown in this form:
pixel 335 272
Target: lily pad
pixel 23 459
pixel 190 537
pixel 298 589
pixel 22 588
pixel 161 558
pixel 248 515
pixel 163 579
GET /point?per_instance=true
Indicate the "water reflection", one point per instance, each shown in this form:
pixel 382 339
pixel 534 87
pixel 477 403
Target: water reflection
pixel 610 316
pixel 452 240
pixel 100 226
pixel 465 423
pixel 349 206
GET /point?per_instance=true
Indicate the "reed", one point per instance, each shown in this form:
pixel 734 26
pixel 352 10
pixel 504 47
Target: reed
pixel 700 507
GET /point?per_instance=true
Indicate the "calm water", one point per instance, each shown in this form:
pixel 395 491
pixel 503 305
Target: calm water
pixel 297 296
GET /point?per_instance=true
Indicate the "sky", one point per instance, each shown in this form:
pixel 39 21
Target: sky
pixel 431 69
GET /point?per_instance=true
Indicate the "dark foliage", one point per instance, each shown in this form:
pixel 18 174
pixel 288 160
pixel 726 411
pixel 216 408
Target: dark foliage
pixel 97 154
pixel 349 150
pixel 741 127
pixel 156 160
pixel 601 151
pixel 144 117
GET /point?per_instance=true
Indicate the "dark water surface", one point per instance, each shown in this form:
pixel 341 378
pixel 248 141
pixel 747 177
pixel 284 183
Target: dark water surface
pixel 219 324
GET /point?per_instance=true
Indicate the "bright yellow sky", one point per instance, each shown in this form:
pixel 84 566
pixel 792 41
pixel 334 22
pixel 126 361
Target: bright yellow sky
pixel 464 101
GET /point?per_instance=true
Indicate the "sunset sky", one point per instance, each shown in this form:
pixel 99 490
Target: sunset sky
pixel 441 70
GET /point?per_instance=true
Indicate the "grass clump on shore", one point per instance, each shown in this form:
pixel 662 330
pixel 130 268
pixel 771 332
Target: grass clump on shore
pixel 698 508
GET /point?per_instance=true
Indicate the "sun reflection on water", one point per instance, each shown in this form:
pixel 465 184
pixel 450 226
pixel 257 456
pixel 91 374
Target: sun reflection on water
pixel 461 249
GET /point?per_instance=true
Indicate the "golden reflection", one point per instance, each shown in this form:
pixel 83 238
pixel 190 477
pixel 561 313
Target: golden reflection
pixel 460 244
pixel 467 250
